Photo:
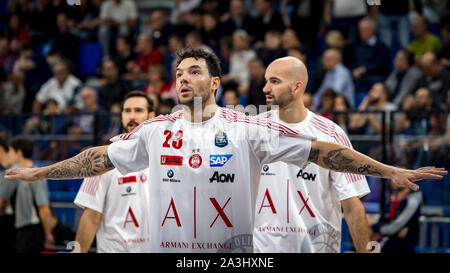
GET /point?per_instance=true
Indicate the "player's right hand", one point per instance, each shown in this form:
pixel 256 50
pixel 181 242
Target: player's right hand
pixel 24 174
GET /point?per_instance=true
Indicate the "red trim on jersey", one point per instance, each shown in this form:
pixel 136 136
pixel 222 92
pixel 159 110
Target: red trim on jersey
pixel 172 117
pixel 90 185
pixel 233 117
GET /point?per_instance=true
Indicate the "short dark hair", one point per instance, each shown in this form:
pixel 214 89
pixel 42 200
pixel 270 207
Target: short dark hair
pixel 212 62
pixel 22 144
pixel 409 56
pixel 4 141
pixel 137 93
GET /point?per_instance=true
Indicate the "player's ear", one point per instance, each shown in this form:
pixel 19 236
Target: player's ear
pixel 151 115
pixel 298 87
pixel 215 83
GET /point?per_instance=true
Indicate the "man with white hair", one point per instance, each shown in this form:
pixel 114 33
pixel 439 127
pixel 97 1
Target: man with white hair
pixel 337 77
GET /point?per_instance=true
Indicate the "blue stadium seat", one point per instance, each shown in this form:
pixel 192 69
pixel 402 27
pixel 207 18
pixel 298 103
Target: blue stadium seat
pixel 90 55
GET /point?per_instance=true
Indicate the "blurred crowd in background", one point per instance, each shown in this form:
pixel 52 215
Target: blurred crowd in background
pixel 361 55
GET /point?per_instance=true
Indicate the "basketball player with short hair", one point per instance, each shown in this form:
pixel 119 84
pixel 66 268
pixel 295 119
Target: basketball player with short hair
pixel 115 205
pixel 299 209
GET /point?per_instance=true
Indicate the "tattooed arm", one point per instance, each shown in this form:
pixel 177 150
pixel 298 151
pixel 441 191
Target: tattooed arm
pixel 343 159
pixel 91 162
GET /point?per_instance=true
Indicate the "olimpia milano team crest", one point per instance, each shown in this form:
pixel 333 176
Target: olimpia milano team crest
pixel 242 243
pixel 324 239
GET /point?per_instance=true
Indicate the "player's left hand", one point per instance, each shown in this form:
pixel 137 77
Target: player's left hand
pixel 406 178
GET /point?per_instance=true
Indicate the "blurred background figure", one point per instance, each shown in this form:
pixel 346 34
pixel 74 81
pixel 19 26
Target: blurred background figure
pixel 30 202
pixel 337 77
pixel 404 78
pixel 398 227
pixel 118 17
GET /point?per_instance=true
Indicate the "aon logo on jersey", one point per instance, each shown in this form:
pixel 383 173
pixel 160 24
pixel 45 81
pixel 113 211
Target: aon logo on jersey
pixel 306 175
pixel 223 178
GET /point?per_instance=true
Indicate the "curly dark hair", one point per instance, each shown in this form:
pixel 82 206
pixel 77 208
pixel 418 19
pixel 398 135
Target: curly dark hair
pixel 212 62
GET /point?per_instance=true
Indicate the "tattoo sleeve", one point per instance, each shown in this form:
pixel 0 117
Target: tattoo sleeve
pixel 92 162
pixel 337 161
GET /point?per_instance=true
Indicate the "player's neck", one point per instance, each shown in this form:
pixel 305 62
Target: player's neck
pixel 200 114
pixel 294 112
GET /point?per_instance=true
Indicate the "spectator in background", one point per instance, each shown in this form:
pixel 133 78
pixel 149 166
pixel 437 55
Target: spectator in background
pixel 337 77
pixel 17 32
pixel 112 87
pixel 118 17
pixel 436 78
pixel 60 87
pixel 268 19
pixel 182 11
pixel 237 18
pixel 231 98
pixel 344 15
pixel 371 61
pixel 169 91
pixel 65 44
pixel 85 123
pixel 89 21
pixel 194 39
pixel 147 55
pixel 398 226
pixel 253 90
pixel 125 56
pixel 156 77
pixel 445 33
pixel 271 49
pixel 342 119
pixel 175 44
pixel 41 20
pixel 241 55
pixel 6 58
pixel 306 18
pixel 159 29
pixel 211 30
pixel 404 78
pixel 12 94
pixel 326 103
pixel 423 41
pixel 377 100
pixel 165 106
pixel 7 231
pixel 335 39
pixel 394 21
pixel 32 210
pixel 289 39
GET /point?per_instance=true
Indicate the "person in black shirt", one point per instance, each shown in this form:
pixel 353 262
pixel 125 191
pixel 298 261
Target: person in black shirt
pixel 113 88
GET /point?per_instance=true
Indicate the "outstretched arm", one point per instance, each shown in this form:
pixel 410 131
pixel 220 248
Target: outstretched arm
pixel 343 159
pixel 91 162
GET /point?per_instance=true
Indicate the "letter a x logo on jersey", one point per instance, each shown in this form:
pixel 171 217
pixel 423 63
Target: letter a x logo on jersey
pixel 305 205
pixel 220 212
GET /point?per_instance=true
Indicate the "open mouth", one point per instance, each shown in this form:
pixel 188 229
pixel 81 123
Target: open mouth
pixel 185 90
pixel 131 126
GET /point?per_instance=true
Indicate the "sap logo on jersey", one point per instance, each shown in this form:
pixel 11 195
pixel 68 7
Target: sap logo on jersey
pixel 306 175
pixel 223 178
pixel 218 160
